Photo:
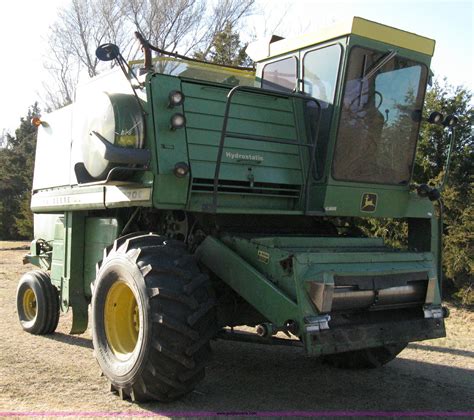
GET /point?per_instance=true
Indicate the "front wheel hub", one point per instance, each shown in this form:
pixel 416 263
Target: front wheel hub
pixel 121 320
pixel 29 304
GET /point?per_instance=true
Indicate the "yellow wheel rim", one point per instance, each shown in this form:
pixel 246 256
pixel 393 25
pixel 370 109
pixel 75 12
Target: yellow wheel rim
pixel 121 320
pixel 29 304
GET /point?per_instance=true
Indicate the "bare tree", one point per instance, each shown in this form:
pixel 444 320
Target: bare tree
pixel 165 22
pixel 63 70
pixel 73 38
pixel 184 24
pixel 87 24
pixel 187 25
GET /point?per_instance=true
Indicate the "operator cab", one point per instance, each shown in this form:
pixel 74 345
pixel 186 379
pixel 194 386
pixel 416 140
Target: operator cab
pixel 370 81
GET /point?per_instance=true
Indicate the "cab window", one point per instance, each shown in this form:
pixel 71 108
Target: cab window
pixel 281 75
pixel 320 68
pixel 320 72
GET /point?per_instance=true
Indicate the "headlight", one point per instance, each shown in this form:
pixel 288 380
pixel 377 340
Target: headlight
pixel 176 98
pixel 450 121
pixel 435 118
pixel 181 169
pixel 177 121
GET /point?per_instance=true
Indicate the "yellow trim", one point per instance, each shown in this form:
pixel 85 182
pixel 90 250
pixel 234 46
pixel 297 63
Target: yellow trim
pixel 121 320
pixel 29 304
pixel 389 35
pixel 292 44
pixel 356 26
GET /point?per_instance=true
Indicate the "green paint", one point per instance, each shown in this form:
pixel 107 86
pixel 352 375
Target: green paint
pixel 74 270
pixel 99 234
pixel 169 145
pixel 261 293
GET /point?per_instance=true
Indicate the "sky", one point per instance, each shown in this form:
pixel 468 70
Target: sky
pixel 24 28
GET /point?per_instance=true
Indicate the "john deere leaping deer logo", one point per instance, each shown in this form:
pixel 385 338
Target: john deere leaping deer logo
pixel 369 202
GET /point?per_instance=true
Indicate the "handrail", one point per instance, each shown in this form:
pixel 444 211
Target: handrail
pixel 225 133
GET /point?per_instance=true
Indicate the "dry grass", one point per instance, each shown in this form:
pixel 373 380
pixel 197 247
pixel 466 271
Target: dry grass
pixel 58 373
pixel 14 245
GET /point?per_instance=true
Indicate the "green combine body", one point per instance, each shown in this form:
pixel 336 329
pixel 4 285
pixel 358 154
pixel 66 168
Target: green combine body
pixel 251 186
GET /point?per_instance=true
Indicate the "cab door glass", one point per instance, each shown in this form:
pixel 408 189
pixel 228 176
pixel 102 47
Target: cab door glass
pixel 320 72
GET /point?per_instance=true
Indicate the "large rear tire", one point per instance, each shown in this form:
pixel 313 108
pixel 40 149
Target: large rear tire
pixel 366 358
pixel 37 303
pixel 152 318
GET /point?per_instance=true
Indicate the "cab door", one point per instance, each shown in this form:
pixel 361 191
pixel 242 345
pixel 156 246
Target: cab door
pixel 319 75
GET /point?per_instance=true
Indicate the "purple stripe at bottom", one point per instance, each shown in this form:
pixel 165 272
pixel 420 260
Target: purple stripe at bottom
pixel 239 413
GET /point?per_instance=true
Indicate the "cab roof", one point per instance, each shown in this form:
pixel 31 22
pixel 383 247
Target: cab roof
pixel 274 46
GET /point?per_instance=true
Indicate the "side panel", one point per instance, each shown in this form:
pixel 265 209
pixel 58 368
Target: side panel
pixel 99 234
pixel 170 145
pixel 244 159
pixel 263 167
pixel 68 266
pixel 53 150
pixel 44 225
pixel 385 201
pixel 58 258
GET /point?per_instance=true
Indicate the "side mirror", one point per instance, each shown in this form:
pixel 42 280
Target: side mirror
pixel 107 52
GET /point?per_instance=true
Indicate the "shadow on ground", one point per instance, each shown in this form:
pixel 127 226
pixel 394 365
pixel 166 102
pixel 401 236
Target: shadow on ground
pixel 457 352
pixel 244 377
pixel 73 340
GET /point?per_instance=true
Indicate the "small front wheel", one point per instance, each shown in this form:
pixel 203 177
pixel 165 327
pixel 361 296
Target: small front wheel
pixel 37 303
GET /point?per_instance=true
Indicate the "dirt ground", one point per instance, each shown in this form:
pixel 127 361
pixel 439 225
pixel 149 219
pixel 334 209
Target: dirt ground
pixel 58 374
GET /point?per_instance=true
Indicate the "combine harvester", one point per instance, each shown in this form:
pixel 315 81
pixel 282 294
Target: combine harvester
pixel 181 199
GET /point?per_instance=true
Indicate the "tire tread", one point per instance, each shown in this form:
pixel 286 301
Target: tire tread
pixel 183 321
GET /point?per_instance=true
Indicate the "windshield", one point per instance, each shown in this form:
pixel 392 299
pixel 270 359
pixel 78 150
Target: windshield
pixel 378 129
pixel 200 71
